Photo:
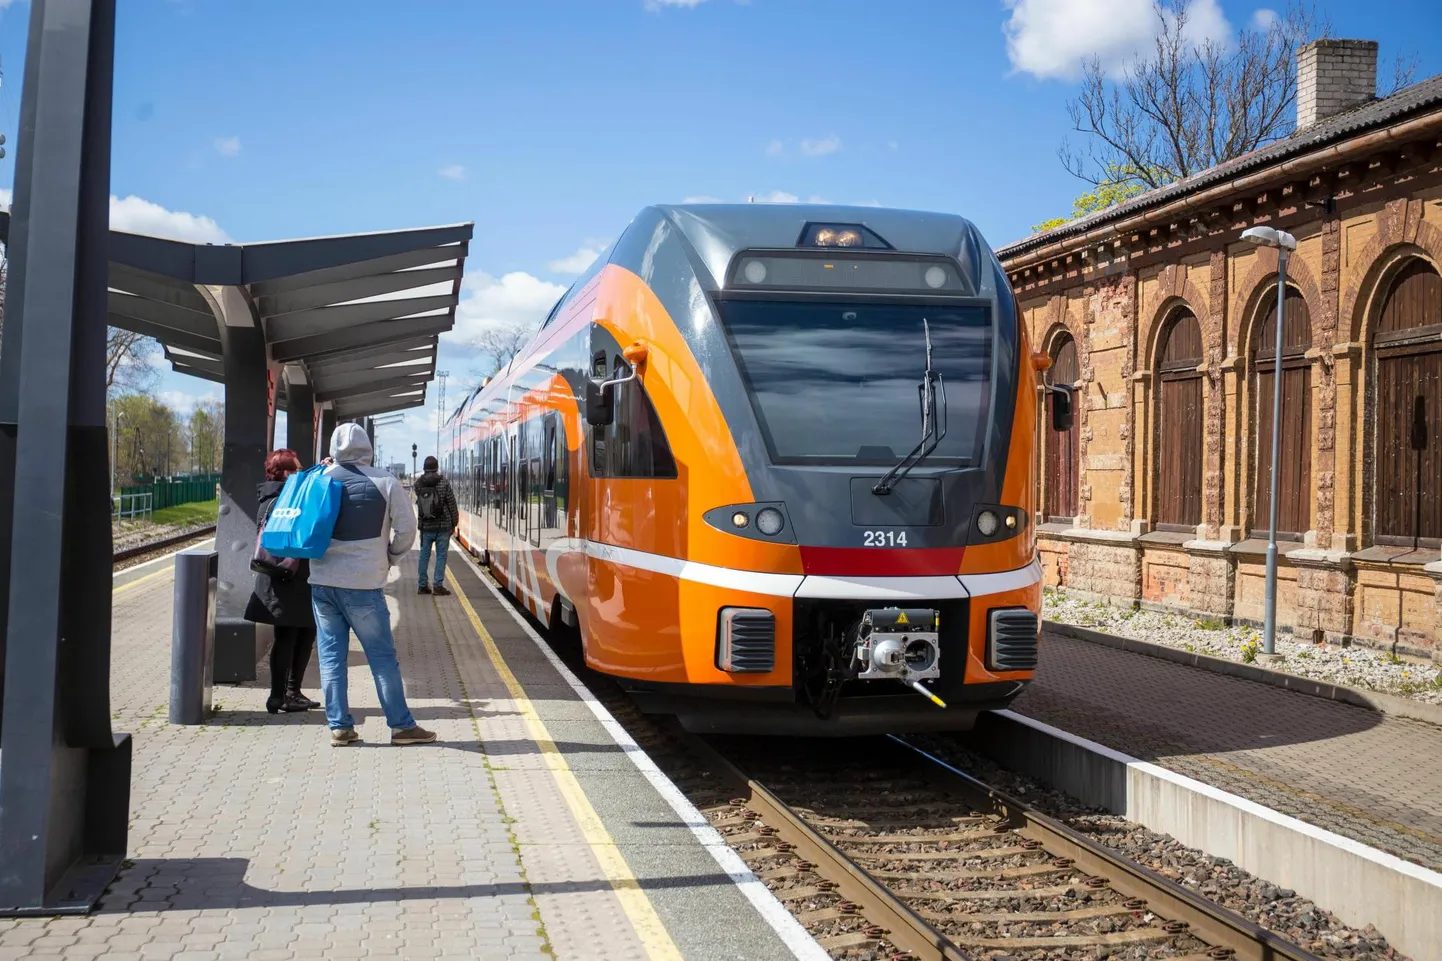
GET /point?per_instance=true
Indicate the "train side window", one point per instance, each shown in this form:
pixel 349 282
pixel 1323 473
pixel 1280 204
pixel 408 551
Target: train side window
pixel 636 444
pixel 549 453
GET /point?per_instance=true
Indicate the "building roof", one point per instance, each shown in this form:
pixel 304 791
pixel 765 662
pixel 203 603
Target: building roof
pixel 1363 118
pixel 360 314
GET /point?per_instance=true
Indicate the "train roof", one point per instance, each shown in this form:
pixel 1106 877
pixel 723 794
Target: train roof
pixel 719 231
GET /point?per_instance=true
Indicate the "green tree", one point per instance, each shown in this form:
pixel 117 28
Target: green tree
pixel 1120 185
pixel 146 438
pixel 207 437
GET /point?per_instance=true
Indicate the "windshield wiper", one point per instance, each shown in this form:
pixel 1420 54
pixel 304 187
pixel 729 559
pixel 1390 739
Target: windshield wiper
pixel 933 421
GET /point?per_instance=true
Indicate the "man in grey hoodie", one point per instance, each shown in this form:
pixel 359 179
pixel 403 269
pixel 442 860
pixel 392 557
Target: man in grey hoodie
pixel 374 530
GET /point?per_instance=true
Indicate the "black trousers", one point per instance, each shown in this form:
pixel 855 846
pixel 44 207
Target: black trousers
pixel 289 657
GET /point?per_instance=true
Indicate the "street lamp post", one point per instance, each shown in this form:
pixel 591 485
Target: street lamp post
pixel 1283 242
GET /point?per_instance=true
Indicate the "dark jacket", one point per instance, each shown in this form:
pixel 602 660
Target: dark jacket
pixel 448 515
pixel 273 601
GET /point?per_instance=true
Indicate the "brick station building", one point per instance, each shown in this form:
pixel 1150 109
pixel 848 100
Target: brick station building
pixel 1163 320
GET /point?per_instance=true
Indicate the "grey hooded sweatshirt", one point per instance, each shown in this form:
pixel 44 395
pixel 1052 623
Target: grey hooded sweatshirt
pixel 376 526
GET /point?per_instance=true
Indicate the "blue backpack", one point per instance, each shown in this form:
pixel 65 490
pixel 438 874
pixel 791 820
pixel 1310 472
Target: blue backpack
pixel 303 518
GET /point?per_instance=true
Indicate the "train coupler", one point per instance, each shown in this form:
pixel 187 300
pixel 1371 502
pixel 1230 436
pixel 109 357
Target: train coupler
pixel 901 644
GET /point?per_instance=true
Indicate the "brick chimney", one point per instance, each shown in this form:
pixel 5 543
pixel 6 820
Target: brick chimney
pixel 1333 75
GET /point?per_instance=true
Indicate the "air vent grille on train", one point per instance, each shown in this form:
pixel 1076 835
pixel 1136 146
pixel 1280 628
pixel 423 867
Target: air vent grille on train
pixel 746 640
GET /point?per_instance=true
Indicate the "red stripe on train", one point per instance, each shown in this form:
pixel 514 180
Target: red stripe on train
pixel 882 561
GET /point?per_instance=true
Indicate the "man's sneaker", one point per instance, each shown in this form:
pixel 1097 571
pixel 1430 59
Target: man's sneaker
pixel 413 735
pixel 440 591
pixel 341 736
pixel 423 589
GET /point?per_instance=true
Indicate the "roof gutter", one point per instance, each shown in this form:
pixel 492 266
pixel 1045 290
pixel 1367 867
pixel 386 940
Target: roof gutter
pixel 1305 164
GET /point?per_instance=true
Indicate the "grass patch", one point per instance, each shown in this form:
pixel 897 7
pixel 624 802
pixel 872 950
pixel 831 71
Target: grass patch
pixel 188 515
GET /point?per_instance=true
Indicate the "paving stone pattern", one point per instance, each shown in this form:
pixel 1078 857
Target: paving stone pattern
pixel 252 838
pixel 1367 776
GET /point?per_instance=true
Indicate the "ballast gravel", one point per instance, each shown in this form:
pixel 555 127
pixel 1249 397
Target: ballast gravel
pixel 1351 666
pixel 1279 910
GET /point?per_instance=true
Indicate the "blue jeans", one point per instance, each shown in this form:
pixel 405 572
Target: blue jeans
pixel 338 611
pixel 442 542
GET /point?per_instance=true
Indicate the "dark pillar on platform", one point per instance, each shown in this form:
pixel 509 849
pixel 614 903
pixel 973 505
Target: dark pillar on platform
pixel 370 429
pixel 64 776
pixel 300 420
pixel 327 427
pixel 242 469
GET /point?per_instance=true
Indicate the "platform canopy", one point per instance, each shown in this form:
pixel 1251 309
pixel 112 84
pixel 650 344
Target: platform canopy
pixel 356 317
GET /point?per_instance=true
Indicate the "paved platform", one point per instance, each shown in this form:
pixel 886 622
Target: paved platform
pixel 1368 776
pixel 533 829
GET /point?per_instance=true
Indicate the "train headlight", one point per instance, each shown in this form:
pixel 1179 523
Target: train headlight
pixel 769 521
pixel 935 277
pixel 986 523
pixel 1011 522
pixel 755 271
pixel 739 519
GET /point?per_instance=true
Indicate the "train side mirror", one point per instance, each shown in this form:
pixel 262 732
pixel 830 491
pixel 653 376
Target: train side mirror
pixel 1061 413
pixel 600 404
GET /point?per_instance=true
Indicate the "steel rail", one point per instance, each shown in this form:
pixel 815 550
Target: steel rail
pixel 1166 898
pixel 161 544
pixel 900 925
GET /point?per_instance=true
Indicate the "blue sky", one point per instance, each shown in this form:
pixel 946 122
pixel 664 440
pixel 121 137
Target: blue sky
pixel 551 123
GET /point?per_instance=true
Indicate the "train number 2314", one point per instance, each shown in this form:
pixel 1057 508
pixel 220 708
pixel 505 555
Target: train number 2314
pixel 884 538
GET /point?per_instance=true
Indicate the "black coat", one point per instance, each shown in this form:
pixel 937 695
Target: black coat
pixel 284 603
pixel 449 516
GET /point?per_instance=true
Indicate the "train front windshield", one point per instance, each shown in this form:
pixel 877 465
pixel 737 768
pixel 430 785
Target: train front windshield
pixel 836 383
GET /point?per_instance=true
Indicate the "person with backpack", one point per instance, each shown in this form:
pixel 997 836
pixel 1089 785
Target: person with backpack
pixel 281 598
pixel 374 529
pixel 439 516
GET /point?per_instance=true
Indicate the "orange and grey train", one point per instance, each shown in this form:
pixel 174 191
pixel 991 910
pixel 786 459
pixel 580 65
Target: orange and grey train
pixel 775 463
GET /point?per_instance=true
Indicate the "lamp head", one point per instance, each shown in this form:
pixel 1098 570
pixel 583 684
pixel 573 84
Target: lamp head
pixel 1270 237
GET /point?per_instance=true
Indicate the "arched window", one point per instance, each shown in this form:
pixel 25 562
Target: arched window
pixel 1294 483
pixel 1179 424
pixel 1061 446
pixel 1407 504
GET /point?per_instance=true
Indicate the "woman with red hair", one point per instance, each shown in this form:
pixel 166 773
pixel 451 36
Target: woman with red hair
pixel 283 602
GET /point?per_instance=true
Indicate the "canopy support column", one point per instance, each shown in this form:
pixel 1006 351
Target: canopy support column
pixel 327 427
pixel 65 786
pixel 300 416
pixel 241 471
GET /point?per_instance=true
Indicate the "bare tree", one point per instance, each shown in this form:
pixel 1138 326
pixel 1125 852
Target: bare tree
pixel 1188 105
pixel 127 361
pixel 503 342
pixel 1404 71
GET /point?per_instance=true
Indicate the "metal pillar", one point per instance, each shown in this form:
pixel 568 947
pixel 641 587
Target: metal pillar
pixel 300 420
pixel 65 780
pixel 327 427
pixel 242 469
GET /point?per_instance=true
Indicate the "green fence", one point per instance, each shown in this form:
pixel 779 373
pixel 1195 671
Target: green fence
pixel 169 492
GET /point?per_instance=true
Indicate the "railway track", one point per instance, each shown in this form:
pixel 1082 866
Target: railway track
pixel 899 855
pixel 159 546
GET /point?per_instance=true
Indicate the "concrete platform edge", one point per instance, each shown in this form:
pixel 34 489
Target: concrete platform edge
pixel 780 920
pixel 1371 700
pixel 1360 884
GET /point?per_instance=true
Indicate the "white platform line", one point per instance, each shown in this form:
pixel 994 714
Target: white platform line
pixel 787 928
pixel 159 560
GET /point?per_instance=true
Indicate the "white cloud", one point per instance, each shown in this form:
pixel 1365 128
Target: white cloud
pixel 821 147
pixel 584 256
pixel 1053 38
pixel 701 199
pixel 514 298
pixel 654 5
pixel 776 197
pixel 1264 19
pixel 817 199
pixel 136 215
pixel 775 148
pixel 867 203
pixel 227 146
pixel 453 172
pixel 183 402
pixel 893 145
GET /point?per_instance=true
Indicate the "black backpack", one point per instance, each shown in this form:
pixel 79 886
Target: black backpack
pixel 428 499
